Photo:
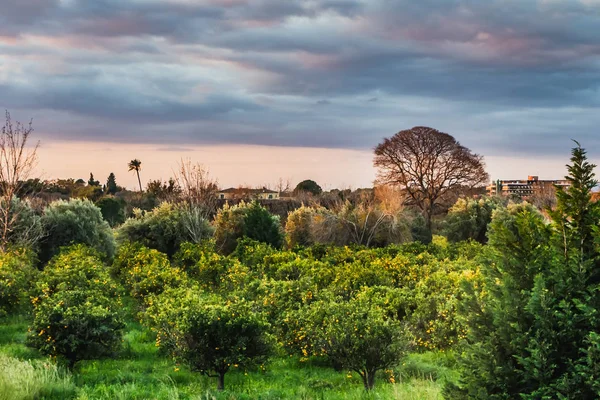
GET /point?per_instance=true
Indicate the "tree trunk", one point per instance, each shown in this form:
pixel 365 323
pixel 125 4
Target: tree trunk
pixel 371 380
pixel 139 180
pixel 368 378
pixel 221 381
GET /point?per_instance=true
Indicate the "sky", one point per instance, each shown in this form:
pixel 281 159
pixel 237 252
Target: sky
pixel 260 90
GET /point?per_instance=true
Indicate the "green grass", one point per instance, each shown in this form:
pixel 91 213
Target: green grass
pixel 139 372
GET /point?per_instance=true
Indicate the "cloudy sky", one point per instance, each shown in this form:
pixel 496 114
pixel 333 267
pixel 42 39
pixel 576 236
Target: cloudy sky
pixel 260 90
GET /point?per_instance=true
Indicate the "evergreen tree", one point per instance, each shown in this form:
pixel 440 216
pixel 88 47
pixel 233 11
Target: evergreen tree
pixel 92 182
pixel 533 327
pixel 111 184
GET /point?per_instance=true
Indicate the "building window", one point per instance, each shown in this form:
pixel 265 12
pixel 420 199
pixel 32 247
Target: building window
pixel 222 196
pixel 270 196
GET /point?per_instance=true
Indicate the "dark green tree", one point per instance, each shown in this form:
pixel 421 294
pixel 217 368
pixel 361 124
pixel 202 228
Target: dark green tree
pixel 111 184
pixel 308 186
pixel 92 182
pixel 262 226
pixel 469 219
pixel 533 329
pixel 113 210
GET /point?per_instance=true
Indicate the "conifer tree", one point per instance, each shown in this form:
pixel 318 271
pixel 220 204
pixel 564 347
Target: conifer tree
pixel 111 184
pixel 533 328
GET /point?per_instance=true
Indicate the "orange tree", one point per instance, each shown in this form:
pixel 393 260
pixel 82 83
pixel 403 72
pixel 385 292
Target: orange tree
pixel 210 335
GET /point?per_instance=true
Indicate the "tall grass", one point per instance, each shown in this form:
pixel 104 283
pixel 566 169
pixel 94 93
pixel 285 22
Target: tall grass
pixel 24 380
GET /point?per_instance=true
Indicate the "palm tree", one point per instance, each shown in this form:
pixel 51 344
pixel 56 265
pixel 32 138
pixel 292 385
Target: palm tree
pixel 136 165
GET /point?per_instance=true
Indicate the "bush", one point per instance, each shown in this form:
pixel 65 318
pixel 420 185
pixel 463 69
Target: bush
pixel 165 228
pixel 364 224
pixel 250 220
pixel 17 273
pixel 298 228
pixel 113 210
pixel 145 271
pixel 26 230
pixel 77 325
pixel 469 219
pixel 355 335
pixel 202 264
pixel 72 222
pixel 229 227
pixel 261 226
pixel 76 267
pixel 208 334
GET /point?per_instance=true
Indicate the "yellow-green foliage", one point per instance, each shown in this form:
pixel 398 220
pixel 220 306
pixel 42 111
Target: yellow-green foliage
pixel 77 308
pixel 145 271
pixel 76 267
pixel 208 333
pixel 17 273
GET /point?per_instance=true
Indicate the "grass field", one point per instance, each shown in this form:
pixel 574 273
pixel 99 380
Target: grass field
pixel 140 372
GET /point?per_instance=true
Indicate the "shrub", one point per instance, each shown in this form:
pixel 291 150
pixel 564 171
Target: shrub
pixel 298 228
pixel 229 227
pixel 208 334
pixel 72 222
pixel 364 224
pixel 355 335
pixel 25 225
pixel 202 264
pixel 249 220
pixel 145 271
pixel 112 209
pixel 76 267
pixel 261 226
pixel 469 219
pixel 17 273
pixel 76 325
pixel 165 228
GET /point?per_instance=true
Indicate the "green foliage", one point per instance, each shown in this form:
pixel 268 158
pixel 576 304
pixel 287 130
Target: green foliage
pixel 25 226
pixel 26 380
pixel 92 181
pixel 112 209
pixel 250 220
pixel 72 222
pixel 355 335
pixel 209 335
pixel 76 267
pixel 17 273
pixel 261 226
pixel 533 325
pixel 77 308
pixel 76 325
pixel 298 228
pixel 165 228
pixel 111 184
pixel 145 271
pixel 468 219
pixel 308 186
pixel 419 229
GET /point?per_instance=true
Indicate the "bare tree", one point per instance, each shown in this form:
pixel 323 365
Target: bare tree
pixel 427 164
pixel 17 162
pixel 198 189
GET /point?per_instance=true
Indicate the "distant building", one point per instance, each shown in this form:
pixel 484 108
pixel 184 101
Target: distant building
pixel 247 193
pixel 522 187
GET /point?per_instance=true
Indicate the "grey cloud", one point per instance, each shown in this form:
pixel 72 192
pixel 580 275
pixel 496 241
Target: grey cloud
pixel 515 75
